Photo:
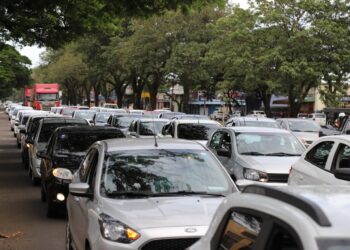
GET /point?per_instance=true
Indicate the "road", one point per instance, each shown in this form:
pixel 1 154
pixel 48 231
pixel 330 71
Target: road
pixel 22 214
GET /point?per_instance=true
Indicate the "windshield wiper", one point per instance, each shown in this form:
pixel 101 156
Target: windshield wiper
pixel 282 154
pixel 180 193
pixel 127 194
pixel 252 153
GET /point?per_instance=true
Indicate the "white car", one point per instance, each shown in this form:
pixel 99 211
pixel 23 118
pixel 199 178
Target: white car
pixel 195 130
pixel 256 155
pixel 323 162
pixel 307 131
pixel 283 218
pixel 132 194
pixel 319 118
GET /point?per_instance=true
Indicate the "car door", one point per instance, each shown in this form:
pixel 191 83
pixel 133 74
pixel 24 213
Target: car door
pixel 247 229
pixel 340 160
pixel 81 205
pixel 222 141
pixel 314 167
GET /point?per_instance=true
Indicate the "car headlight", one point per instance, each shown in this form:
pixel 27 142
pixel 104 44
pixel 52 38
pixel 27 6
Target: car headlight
pixel 254 175
pixel 62 173
pixel 114 230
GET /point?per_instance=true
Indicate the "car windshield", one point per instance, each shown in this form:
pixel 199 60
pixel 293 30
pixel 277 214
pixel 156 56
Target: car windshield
pixel 151 128
pixel 102 117
pixel 47 97
pixel 88 114
pixel 273 144
pixel 158 171
pixel 48 128
pixel 258 123
pixel 24 119
pixel 68 143
pixel 195 131
pixel 303 126
pixel 67 111
pixel 123 121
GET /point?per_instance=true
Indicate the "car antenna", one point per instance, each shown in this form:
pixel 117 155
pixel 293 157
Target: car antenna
pixel 154 132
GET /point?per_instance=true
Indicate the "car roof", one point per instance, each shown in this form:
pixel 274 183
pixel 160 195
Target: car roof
pixel 152 120
pixel 87 129
pixel 194 121
pixel 149 143
pixel 63 120
pixel 334 200
pixel 257 130
pixel 253 118
pixel 295 119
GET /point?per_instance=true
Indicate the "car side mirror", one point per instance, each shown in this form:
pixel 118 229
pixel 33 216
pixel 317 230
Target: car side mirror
pixel 347 132
pixel 342 174
pixel 223 152
pixel 80 190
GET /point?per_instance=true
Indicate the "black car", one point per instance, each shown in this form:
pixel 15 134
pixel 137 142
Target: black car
pixel 66 149
pixel 122 121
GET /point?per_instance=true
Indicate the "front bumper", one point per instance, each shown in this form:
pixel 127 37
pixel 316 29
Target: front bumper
pixel 55 187
pixel 149 236
pixel 241 184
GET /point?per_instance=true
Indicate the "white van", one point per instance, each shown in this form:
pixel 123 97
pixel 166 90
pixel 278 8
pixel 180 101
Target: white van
pixel 319 118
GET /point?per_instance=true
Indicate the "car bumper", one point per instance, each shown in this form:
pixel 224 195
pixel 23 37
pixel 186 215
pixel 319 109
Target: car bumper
pixel 150 236
pixel 241 184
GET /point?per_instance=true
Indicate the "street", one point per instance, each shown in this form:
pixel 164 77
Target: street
pixel 22 215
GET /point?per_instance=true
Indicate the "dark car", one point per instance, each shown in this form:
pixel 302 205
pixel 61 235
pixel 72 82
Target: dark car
pixel 122 121
pixel 101 118
pixel 66 149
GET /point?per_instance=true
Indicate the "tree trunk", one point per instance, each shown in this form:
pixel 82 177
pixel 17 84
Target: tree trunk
pixel 120 93
pixel 97 93
pixel 87 95
pixel 186 98
pixel 154 91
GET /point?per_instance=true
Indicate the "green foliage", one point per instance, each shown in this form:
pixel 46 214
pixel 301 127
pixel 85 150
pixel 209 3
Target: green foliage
pixel 14 70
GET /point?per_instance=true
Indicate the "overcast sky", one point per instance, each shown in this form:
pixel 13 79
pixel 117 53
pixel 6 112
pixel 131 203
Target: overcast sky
pixel 33 52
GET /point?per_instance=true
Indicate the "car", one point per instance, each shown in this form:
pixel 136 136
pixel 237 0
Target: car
pixel 110 105
pixel 256 155
pixel 19 119
pixel 144 194
pixel 20 128
pixel 302 115
pixel 65 151
pixel 67 111
pixel 136 111
pixel 281 218
pixel 323 162
pixel 307 131
pixel 116 111
pixel 319 118
pixel 29 132
pixel 252 122
pixel 170 115
pixel 84 114
pixel 101 118
pixel 122 121
pixel 143 128
pixel 219 115
pixel 191 117
pixel 40 140
pixel 258 113
pixel 196 130
pixel 14 114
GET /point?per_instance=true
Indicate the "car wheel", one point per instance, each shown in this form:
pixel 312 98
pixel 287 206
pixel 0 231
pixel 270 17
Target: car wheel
pixel 68 238
pixel 51 208
pixel 11 129
pixel 43 194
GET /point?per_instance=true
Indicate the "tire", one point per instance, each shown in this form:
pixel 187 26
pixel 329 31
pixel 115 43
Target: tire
pixel 52 211
pixel 43 194
pixel 68 238
pixel 11 129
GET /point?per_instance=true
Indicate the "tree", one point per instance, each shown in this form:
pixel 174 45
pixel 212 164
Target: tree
pixel 14 70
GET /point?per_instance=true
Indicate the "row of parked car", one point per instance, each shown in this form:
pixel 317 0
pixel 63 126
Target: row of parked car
pixel 166 180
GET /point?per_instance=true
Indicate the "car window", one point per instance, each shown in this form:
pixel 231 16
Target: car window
pixel 215 140
pixel 283 125
pixel 318 155
pixel 86 164
pixel 241 231
pixel 282 239
pixel 342 158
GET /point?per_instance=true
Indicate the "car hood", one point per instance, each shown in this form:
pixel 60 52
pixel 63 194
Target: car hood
pixel 71 162
pixel 269 164
pixel 307 136
pixel 159 212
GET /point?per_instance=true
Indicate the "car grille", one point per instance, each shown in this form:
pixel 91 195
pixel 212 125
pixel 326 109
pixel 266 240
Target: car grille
pixel 278 178
pixel 170 244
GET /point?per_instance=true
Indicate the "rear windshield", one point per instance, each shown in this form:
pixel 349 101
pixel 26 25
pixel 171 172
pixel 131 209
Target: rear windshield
pixel 25 119
pixel 67 111
pixel 196 131
pixel 80 142
pixel 48 128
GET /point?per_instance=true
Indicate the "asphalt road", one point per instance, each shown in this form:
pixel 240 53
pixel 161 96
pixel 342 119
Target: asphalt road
pixel 22 214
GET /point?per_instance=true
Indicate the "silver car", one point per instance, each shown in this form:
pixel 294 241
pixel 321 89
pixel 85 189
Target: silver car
pixel 138 194
pixel 256 155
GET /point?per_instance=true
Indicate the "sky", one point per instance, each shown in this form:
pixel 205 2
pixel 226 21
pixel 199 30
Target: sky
pixel 33 52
